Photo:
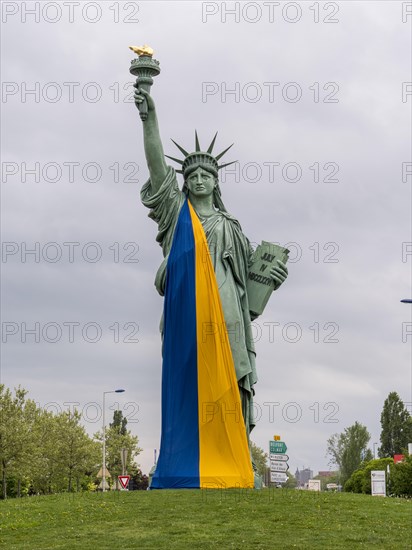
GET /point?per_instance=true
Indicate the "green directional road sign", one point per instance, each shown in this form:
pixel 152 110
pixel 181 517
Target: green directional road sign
pixel 278 447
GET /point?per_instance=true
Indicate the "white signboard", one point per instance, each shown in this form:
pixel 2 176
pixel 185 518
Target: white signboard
pixel 314 485
pixel 278 466
pixel 378 483
pixel 278 477
pixel 283 458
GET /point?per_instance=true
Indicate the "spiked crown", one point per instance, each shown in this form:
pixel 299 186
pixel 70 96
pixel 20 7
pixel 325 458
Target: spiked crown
pixel 200 158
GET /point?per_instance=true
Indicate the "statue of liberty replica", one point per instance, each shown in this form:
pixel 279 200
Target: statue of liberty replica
pixel 214 284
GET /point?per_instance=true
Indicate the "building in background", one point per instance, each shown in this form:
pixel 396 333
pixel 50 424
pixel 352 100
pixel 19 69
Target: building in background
pixel 303 476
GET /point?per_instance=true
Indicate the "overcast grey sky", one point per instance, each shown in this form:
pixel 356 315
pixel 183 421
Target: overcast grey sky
pixel 316 97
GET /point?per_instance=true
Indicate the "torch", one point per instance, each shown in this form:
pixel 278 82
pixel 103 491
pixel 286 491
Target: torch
pixel 144 68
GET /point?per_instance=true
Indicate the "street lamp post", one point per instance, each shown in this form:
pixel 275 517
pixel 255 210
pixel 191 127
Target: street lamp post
pixel 104 438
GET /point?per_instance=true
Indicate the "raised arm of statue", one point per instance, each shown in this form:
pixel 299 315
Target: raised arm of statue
pixel 153 147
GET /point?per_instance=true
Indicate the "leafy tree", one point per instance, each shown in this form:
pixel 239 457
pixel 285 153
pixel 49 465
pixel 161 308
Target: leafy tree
pixel 25 464
pixel 77 453
pixel 396 425
pixel 117 438
pixel 348 449
pixel 42 452
pixel 65 456
pixel 16 434
pixel 259 459
pixel 45 469
pixel 367 455
pixel 119 422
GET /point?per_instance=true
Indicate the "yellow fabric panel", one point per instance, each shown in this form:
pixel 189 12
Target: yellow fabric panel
pixel 223 447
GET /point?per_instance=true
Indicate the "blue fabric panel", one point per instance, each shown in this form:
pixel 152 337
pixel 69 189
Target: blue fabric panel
pixel 178 464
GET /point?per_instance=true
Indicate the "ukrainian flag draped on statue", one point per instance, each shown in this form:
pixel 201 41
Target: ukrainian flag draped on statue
pixel 204 442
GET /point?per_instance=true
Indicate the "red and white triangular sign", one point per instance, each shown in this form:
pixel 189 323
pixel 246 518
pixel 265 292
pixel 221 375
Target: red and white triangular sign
pixel 124 481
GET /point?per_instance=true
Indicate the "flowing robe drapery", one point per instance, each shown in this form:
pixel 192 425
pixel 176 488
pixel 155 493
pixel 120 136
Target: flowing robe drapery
pixel 230 253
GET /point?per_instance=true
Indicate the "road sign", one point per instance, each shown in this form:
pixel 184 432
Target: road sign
pixel 314 485
pixel 278 466
pixel 378 483
pixel 278 477
pixel 277 447
pixel 124 481
pixel 100 473
pixel 283 458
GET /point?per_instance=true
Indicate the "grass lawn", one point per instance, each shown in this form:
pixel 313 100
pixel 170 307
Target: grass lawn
pixel 271 518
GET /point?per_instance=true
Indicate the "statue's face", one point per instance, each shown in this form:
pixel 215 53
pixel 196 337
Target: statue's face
pixel 200 183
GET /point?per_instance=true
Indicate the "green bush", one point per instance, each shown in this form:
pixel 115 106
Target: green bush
pixel 360 480
pixel 399 482
pixel 401 478
pixel 354 483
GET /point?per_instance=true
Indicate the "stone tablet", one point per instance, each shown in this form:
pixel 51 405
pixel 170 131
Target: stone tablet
pixel 260 285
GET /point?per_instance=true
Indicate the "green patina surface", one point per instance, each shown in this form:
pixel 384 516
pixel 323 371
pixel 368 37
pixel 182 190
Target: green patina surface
pixel 229 248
